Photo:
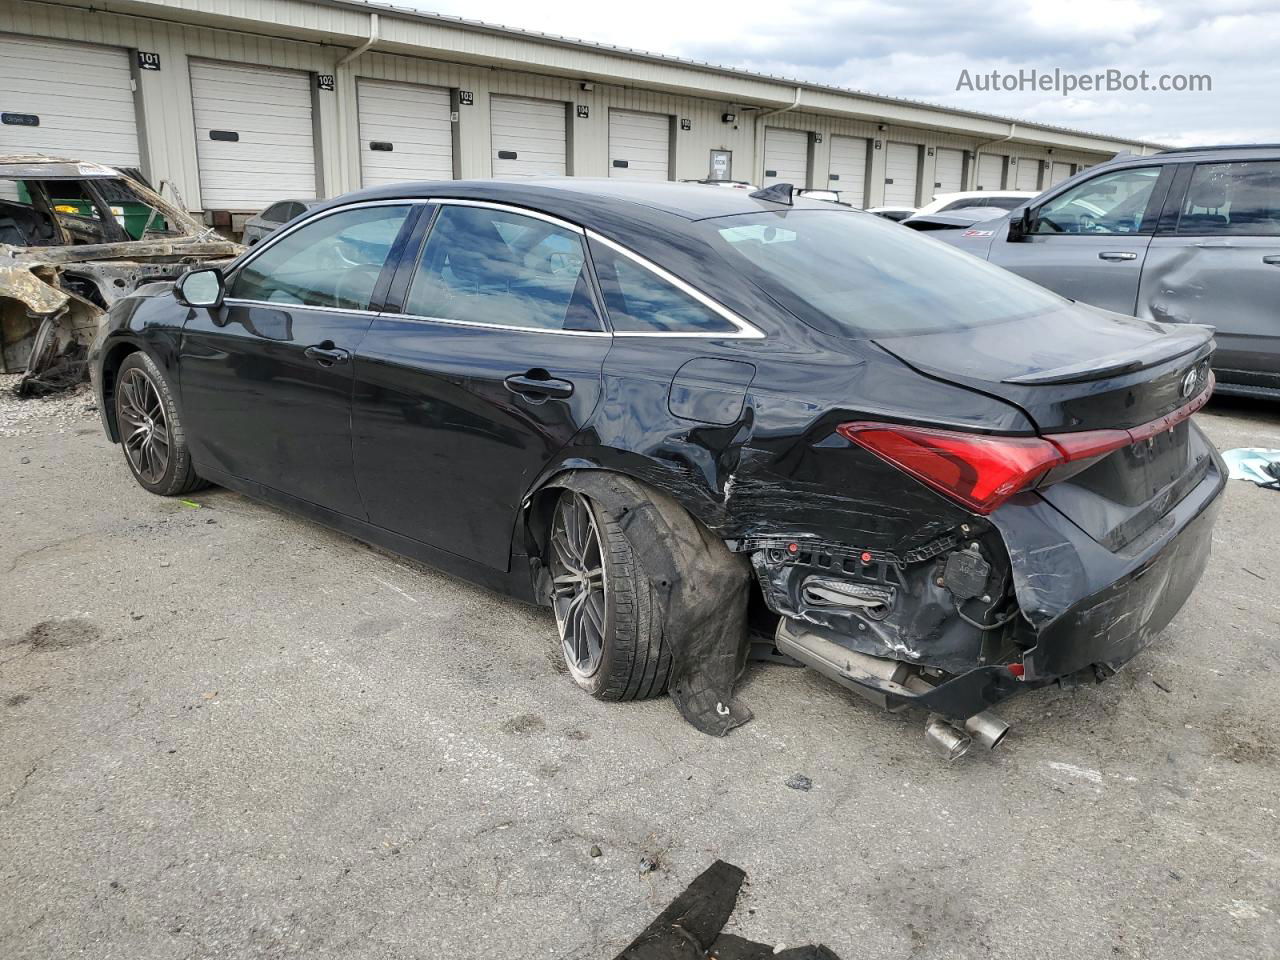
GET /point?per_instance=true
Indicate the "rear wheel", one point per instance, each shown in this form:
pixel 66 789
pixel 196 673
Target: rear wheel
pixel 151 434
pixel 611 630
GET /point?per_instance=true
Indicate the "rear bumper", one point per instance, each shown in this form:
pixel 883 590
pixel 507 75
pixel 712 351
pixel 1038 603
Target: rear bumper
pixel 1088 610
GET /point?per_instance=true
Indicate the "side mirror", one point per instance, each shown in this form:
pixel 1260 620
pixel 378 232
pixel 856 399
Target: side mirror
pixel 200 288
pixel 1020 224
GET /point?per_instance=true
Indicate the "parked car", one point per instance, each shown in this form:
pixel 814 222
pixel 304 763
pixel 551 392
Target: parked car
pixel 1182 236
pixel 896 214
pixel 968 199
pixel 74 238
pixel 273 218
pixel 642 403
pixel 960 219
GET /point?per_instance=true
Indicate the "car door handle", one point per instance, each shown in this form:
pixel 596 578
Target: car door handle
pixel 326 354
pixel 539 387
pixel 1117 255
pixel 1274 261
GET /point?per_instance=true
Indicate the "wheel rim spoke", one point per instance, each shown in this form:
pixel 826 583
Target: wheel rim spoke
pixel 147 441
pixel 578 584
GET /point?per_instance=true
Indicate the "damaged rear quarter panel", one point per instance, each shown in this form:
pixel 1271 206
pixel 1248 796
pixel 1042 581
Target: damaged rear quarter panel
pixel 780 473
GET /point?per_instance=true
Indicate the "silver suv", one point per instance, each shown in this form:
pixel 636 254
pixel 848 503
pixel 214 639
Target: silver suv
pixel 1183 236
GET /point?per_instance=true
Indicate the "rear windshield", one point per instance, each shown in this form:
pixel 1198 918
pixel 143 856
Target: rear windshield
pixel 857 275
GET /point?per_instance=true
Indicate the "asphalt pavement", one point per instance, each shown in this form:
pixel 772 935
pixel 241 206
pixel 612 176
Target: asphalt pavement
pixel 229 733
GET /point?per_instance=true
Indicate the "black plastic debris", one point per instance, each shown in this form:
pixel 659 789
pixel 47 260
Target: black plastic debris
pixel 689 929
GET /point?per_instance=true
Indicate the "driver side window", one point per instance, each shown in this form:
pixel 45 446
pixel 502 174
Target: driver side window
pixel 333 261
pixel 1110 204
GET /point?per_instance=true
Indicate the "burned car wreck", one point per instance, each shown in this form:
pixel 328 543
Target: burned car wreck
pixel 74 238
pixel 682 418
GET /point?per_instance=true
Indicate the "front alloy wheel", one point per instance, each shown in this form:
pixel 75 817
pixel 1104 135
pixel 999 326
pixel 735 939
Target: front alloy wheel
pixel 579 583
pixel 144 427
pixel 150 428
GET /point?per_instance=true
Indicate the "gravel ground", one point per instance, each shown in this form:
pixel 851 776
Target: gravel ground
pixel 229 733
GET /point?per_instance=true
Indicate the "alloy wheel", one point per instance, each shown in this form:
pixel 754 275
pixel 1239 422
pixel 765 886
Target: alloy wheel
pixel 577 569
pixel 145 427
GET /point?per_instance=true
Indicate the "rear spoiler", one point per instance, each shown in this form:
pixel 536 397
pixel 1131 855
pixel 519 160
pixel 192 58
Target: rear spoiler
pixel 1189 339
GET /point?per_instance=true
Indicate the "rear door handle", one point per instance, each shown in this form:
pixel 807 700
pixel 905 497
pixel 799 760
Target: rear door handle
pixel 1274 261
pixel 326 354
pixel 539 387
pixel 1117 255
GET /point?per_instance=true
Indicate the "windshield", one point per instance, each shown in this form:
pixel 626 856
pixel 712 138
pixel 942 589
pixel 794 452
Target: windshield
pixel 856 275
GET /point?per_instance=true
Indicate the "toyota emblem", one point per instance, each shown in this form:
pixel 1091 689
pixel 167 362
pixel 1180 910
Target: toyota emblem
pixel 1189 382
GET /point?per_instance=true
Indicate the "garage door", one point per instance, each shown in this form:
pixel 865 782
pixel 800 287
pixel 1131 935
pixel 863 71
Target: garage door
pixel 528 137
pixel 786 157
pixel 253 135
pixel 901 174
pixel 81 96
pixel 1028 176
pixel 948 176
pixel 1058 172
pixel 405 132
pixel 990 172
pixel 849 169
pixel 639 145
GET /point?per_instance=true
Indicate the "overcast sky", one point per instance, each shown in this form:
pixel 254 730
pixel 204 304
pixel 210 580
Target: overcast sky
pixel 918 50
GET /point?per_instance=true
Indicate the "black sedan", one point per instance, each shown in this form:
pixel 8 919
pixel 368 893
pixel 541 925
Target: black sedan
pixel 681 416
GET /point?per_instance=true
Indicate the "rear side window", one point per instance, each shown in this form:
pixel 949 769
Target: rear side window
pixel 333 261
pixel 1234 199
pixel 277 213
pixel 492 267
pixel 857 275
pixel 640 301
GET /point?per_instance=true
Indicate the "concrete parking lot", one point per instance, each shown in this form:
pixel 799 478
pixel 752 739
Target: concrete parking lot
pixel 226 732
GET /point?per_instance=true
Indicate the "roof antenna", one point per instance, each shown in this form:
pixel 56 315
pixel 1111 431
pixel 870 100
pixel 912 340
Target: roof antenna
pixel 778 193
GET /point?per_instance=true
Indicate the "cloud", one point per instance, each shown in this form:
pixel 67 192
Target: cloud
pixel 908 49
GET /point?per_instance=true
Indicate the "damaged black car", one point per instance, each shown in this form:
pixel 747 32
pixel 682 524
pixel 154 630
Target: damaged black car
pixel 687 418
pixel 74 238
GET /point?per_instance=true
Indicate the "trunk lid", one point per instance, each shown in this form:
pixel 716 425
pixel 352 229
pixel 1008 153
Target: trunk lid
pixel 1082 369
pixel 1078 368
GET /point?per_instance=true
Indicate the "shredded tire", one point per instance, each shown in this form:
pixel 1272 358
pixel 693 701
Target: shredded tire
pixel 637 659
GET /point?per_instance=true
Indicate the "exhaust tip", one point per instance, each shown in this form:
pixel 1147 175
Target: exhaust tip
pixel 987 729
pixel 949 742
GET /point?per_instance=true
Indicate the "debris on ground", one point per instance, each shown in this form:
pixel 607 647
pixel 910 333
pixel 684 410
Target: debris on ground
pixel 1255 464
pixel 595 851
pixel 19 416
pixel 798 781
pixel 689 929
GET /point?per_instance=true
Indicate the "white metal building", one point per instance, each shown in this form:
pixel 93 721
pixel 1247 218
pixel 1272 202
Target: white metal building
pixel 233 104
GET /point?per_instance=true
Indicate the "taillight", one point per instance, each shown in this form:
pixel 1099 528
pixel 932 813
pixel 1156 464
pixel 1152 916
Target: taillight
pixel 981 472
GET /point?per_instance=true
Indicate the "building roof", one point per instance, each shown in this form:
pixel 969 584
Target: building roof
pixel 409 13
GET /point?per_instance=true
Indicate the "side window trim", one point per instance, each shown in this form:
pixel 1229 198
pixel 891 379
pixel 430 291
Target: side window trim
pixel 411 262
pixel 267 243
pixel 1172 212
pixel 743 331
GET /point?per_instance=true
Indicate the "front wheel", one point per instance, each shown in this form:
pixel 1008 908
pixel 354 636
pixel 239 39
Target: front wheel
pixel 610 625
pixel 151 434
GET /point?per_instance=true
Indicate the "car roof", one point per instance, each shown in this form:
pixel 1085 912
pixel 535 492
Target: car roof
pixel 1224 153
pixel 576 197
pixel 966 194
pixel 36 167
